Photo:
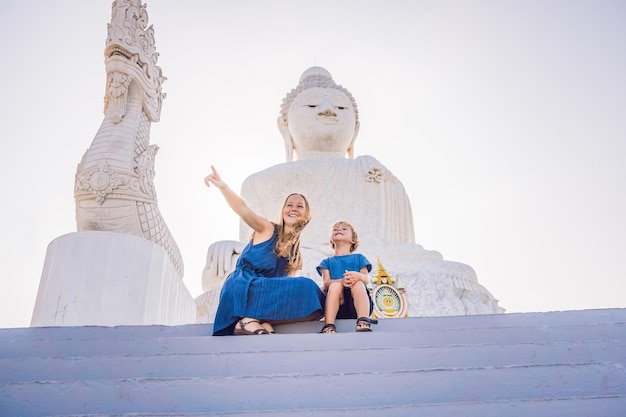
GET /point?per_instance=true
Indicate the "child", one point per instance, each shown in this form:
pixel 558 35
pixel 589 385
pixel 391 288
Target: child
pixel 345 277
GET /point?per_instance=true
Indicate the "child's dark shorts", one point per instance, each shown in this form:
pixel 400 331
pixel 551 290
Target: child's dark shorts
pixel 347 310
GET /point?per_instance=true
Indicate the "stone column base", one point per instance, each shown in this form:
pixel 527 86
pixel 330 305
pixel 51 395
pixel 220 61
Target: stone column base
pixel 110 279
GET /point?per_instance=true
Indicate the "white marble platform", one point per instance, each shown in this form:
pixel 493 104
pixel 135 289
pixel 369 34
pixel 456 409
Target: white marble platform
pixel 110 279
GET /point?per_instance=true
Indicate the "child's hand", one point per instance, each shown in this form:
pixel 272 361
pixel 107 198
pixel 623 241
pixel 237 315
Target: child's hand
pixel 350 278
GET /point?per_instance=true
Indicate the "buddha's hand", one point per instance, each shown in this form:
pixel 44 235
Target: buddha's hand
pixel 222 258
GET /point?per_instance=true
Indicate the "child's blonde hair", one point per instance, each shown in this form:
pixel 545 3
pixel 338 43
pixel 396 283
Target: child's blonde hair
pixel 355 236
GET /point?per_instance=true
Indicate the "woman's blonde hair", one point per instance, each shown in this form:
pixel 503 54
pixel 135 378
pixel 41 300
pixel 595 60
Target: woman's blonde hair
pixel 288 244
pixel 355 236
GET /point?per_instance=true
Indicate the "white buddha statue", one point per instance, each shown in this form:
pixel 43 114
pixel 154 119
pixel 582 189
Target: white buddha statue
pixel 319 124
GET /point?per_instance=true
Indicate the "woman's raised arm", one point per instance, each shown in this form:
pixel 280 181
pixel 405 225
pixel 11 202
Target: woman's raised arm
pixel 263 228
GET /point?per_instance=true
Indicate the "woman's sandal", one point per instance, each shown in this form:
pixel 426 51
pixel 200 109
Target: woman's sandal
pixel 240 328
pixel 364 324
pixel 329 329
pixel 268 326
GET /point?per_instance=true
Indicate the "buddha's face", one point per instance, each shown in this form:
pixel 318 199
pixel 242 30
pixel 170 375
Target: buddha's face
pixel 321 119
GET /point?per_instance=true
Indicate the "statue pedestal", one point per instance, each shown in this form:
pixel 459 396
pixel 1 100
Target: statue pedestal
pixel 110 279
pixel 442 288
pixel 431 286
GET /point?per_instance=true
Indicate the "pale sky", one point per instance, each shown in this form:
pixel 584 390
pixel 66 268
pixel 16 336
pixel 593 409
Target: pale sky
pixel 504 120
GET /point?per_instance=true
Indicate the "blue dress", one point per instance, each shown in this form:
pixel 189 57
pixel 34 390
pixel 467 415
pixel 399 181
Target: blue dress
pixel 259 287
pixel 336 266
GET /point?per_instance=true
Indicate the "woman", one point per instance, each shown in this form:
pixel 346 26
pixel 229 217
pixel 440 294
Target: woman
pixel 263 289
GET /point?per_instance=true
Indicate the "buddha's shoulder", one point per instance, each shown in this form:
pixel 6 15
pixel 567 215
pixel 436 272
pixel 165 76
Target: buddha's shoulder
pixel 295 171
pixel 314 164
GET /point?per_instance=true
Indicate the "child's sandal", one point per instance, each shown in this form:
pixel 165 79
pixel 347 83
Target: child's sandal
pixel 364 324
pixel 329 328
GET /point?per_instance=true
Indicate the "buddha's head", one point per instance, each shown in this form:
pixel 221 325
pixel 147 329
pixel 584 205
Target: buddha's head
pixel 318 118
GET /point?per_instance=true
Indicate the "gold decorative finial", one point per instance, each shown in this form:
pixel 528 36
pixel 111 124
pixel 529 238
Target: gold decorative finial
pixel 382 277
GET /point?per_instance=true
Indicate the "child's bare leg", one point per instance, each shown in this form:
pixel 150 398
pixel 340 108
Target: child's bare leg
pixel 333 300
pixel 361 300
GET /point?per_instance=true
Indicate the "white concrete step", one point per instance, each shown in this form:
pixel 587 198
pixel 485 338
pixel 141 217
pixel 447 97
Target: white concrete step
pixel 291 359
pixel 557 318
pixel 539 364
pixel 196 338
pixel 612 406
pixel 361 388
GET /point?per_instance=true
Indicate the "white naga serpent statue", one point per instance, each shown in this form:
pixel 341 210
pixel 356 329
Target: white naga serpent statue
pixel 114 189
